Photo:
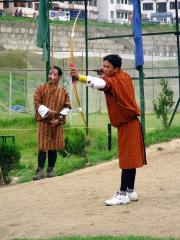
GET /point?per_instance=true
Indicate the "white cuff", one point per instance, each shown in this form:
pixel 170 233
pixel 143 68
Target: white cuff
pixel 95 82
pixel 65 111
pixel 42 110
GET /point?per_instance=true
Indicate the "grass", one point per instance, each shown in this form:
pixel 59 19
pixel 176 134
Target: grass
pixel 165 135
pixel 20 59
pixel 96 151
pixel 93 23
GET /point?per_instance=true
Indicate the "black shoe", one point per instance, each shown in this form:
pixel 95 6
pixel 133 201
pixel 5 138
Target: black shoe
pixel 49 172
pixel 39 174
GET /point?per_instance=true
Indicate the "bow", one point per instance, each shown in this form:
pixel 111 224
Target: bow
pixel 52 50
pixel 72 65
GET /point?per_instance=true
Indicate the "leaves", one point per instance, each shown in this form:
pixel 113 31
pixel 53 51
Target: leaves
pixel 163 104
pixel 9 159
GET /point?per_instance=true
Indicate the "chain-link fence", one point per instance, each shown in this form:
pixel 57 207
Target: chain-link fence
pixel 18 84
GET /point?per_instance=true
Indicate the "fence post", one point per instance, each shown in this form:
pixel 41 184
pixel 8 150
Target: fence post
pixel 10 92
pixel 1 177
pixel 109 136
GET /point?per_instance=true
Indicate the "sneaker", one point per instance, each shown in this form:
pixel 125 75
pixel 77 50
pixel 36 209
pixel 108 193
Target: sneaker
pixel 49 172
pixel 39 174
pixel 117 199
pixel 133 196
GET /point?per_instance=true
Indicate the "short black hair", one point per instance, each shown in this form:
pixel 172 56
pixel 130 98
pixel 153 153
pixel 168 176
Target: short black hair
pixel 58 69
pixel 114 59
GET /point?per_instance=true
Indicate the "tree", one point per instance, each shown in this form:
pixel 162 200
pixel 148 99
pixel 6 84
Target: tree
pixel 163 104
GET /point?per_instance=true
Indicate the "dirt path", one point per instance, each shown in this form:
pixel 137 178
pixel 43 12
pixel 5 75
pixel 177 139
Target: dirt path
pixel 73 204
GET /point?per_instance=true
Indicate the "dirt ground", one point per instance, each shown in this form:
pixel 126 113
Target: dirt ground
pixel 74 204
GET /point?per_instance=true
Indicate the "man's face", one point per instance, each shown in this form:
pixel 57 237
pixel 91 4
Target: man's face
pixel 108 69
pixel 53 76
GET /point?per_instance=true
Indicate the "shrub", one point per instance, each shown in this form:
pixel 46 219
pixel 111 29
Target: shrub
pixel 20 101
pixel 9 159
pixel 75 141
pixel 163 104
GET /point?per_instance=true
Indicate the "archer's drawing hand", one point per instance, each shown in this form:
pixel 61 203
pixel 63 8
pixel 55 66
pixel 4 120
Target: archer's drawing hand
pixel 100 71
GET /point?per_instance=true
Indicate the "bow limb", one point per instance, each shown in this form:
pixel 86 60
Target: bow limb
pixel 72 65
pixel 79 104
pixel 52 50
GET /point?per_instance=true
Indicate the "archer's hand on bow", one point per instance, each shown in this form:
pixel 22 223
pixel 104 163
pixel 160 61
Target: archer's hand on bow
pixel 74 75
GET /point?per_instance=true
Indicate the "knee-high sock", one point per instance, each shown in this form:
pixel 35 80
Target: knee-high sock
pixel 52 156
pixel 127 179
pixel 41 159
pixel 132 179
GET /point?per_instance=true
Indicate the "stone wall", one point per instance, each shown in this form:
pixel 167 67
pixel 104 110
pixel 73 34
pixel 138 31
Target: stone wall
pixel 23 36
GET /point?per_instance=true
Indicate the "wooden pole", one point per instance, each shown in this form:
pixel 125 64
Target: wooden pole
pixel 2 182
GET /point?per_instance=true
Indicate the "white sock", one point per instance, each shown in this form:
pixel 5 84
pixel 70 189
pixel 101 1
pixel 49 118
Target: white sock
pixel 130 190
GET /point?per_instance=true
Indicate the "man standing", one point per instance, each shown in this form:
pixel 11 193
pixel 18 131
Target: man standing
pixel 52 104
pixel 123 112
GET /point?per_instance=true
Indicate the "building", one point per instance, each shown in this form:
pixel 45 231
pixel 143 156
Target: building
pixel 75 6
pixel 1 6
pixel 118 11
pixel 30 9
pixel 159 10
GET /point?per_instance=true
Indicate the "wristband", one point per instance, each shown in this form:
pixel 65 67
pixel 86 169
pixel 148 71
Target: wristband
pixel 82 78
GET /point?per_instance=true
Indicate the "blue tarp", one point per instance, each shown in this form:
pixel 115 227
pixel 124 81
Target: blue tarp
pixel 18 108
